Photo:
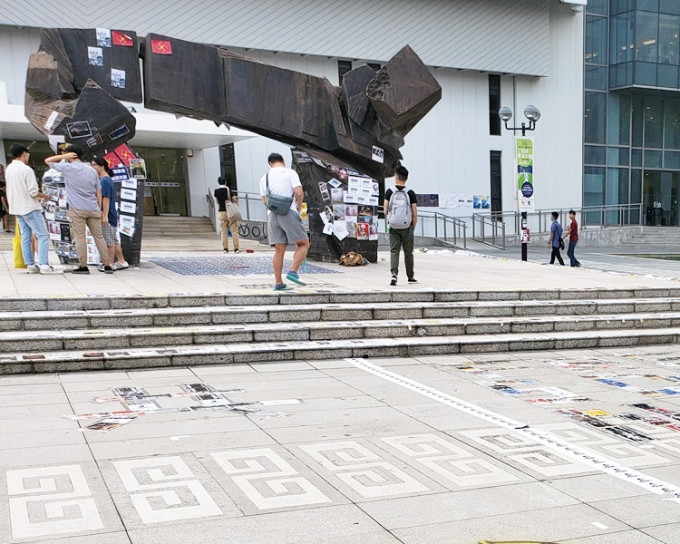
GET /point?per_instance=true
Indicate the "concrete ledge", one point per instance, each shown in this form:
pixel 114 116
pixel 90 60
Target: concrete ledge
pixel 319 331
pixel 297 350
pixel 150 301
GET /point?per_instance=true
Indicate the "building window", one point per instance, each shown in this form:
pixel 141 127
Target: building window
pixel 595 117
pixel 496 186
pixel 344 66
pixel 596 40
pixel 646 36
pixel 494 104
pixel 598 6
pixel 375 65
pixel 618 119
pixel 228 166
pixel 654 122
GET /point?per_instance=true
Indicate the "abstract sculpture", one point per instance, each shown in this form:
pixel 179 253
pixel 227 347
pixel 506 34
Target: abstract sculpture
pixel 81 75
pixel 76 79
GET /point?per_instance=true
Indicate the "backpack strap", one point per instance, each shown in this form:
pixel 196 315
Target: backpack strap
pixel 389 204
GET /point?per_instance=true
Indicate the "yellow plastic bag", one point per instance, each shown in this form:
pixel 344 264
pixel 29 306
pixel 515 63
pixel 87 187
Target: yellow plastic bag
pixel 16 245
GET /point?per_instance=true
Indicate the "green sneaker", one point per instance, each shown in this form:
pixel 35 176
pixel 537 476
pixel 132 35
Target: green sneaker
pixel 293 276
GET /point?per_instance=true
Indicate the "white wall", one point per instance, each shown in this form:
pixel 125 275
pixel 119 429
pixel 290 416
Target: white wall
pixel 558 138
pixel 203 170
pixel 448 151
pixel 16 46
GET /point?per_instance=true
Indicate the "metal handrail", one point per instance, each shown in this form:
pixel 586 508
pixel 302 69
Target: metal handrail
pixel 591 217
pixel 211 205
pixel 539 221
pixel 251 206
pixel 444 228
pixel 482 224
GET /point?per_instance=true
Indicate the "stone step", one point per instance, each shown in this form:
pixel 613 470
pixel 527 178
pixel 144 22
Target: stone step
pixel 291 313
pixel 61 361
pixel 121 338
pixel 136 301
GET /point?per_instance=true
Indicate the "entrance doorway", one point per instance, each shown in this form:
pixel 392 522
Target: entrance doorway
pixel 165 187
pixel 660 194
pixel 496 186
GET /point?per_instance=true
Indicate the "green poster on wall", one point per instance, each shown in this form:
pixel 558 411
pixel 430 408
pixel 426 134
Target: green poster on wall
pixel 525 173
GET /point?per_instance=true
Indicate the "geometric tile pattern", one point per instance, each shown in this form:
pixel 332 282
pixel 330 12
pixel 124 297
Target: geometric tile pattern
pixel 622 452
pixel 229 266
pixel 165 489
pixel 446 459
pixel 526 452
pixel 50 501
pixel 268 480
pixel 363 470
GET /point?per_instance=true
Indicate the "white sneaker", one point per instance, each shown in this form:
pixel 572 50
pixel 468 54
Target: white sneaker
pixel 120 266
pixel 32 269
pixel 49 269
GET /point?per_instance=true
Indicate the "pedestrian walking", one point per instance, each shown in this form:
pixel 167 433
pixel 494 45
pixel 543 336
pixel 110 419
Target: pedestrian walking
pixel 23 199
pixel 555 241
pixel 4 207
pixel 109 215
pixel 228 222
pixel 572 232
pixel 83 196
pixel 282 193
pixel 401 216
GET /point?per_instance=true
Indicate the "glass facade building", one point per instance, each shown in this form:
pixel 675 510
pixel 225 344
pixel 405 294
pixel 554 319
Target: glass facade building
pixel 632 107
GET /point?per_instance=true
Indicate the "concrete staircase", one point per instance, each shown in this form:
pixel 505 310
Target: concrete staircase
pixel 63 334
pixel 656 237
pixel 176 226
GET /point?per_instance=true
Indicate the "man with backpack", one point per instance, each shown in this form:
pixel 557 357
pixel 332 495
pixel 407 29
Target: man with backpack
pixel 401 216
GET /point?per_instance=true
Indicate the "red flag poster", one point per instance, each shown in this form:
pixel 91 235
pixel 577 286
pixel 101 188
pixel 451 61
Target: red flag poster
pixel 112 159
pixel 125 153
pixel 161 47
pixel 120 38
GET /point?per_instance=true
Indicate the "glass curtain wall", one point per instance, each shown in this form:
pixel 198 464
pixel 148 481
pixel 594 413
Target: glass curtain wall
pixel 631 113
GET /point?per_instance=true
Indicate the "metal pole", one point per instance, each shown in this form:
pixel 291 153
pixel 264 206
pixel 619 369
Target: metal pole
pixel 524 243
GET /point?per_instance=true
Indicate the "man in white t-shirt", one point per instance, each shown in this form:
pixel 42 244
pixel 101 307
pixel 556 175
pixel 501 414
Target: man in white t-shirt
pixel 23 197
pixel 285 229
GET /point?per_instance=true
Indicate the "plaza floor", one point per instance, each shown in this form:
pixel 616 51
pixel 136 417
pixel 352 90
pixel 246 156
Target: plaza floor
pixel 571 447
pixel 560 446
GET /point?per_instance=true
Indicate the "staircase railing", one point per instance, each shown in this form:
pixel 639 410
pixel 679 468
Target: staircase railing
pixel 488 230
pixel 211 210
pixel 446 230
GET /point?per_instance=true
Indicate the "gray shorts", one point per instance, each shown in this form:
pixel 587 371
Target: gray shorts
pixel 110 234
pixel 286 229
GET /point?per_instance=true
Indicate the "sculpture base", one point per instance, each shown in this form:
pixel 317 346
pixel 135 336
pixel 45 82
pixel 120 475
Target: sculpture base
pixel 342 206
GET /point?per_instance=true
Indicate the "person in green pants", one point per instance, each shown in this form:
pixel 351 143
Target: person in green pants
pixel 401 215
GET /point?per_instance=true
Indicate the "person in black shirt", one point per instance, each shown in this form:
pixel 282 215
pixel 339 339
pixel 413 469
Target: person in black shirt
pixel 223 196
pixel 403 235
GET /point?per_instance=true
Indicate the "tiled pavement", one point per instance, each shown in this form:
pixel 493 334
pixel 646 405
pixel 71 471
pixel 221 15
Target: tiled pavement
pixel 559 446
pixel 571 447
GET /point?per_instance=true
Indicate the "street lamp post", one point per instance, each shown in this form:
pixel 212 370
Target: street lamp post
pixel 524 165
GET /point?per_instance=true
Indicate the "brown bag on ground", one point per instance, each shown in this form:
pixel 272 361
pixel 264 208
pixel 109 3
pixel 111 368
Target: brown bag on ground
pixel 352 259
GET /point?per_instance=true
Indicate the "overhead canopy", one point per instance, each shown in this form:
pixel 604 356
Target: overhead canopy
pixel 153 130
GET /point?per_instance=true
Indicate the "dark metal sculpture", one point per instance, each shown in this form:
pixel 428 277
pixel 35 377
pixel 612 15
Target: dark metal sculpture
pixel 76 79
pixel 363 122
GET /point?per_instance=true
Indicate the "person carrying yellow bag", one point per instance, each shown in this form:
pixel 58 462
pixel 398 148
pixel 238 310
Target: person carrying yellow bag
pixel 23 197
pixel 16 246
